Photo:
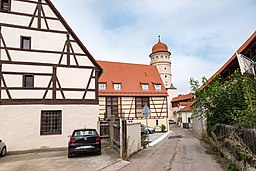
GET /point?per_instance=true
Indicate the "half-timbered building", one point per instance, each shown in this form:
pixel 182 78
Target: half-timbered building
pixel 48 79
pixel 125 88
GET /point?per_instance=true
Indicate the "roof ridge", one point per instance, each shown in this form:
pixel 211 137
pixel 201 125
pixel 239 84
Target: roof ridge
pixel 124 63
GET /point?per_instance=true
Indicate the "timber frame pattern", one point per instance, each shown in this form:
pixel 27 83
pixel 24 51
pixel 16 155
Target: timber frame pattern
pixel 127 108
pixel 54 85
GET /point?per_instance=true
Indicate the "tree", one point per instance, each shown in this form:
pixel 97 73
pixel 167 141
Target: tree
pixel 232 101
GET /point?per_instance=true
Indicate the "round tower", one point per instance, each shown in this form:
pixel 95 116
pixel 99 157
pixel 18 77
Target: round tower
pixel 161 58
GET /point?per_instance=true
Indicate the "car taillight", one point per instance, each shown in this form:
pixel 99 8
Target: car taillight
pixel 72 140
pixel 97 138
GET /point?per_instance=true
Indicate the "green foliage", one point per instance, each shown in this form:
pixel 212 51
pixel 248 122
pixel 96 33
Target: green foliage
pixel 163 127
pixel 232 167
pixel 232 101
pixel 144 143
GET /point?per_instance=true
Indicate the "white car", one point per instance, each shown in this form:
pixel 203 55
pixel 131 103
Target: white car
pixel 3 149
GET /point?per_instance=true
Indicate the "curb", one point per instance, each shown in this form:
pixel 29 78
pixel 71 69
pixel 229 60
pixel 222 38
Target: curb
pixel 159 139
pixel 117 165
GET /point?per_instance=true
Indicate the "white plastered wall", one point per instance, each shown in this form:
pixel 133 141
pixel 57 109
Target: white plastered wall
pixel 20 125
pixel 134 138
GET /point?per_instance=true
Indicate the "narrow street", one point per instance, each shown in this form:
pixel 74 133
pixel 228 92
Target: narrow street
pixel 179 151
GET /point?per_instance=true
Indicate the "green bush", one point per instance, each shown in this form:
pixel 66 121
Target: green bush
pixel 144 143
pixel 163 127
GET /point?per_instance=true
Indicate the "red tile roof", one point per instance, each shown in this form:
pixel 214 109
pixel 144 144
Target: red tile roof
pixel 186 97
pixel 226 65
pixel 184 103
pixel 131 76
pixel 188 107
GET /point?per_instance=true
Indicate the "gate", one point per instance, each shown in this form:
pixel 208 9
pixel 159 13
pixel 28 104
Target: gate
pixel 116 132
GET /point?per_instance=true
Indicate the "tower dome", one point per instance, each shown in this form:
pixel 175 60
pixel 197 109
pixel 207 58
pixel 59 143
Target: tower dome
pixel 159 47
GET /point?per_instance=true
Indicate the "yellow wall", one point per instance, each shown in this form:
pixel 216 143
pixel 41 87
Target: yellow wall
pixel 158 108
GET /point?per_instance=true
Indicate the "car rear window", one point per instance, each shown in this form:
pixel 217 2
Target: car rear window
pixel 82 133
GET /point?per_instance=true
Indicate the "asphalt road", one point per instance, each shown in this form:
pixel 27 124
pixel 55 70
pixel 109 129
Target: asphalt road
pixel 179 151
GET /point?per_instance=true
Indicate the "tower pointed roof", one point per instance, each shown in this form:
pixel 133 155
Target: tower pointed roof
pixel 159 47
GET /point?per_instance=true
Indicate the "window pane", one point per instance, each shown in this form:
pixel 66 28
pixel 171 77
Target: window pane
pixel 28 81
pixel 112 106
pixel 140 102
pixel 144 86
pixel 5 5
pixel 108 111
pixel 102 86
pixel 158 86
pixel 50 122
pixel 117 86
pixel 25 42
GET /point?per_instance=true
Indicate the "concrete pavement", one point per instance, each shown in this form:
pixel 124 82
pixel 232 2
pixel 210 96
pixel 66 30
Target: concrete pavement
pixel 179 151
pixel 57 160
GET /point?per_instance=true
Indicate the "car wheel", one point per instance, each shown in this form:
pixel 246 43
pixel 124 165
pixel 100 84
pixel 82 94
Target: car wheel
pixel 3 151
pixel 70 155
pixel 98 152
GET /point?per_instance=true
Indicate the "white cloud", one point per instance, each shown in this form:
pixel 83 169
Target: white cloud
pixel 201 34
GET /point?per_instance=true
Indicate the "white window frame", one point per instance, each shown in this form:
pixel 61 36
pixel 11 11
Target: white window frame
pixel 144 87
pixel 102 86
pixel 158 87
pixel 117 86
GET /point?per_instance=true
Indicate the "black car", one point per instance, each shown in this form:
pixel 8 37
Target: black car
pixel 83 141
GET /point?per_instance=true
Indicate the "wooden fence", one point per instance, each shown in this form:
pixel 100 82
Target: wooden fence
pixel 111 130
pixel 105 129
pixel 248 135
pixel 250 139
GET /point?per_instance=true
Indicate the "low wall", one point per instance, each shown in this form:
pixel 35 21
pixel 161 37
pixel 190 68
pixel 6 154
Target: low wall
pixel 133 138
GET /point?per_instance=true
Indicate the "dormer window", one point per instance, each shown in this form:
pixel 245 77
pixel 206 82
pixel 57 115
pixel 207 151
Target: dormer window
pixel 158 87
pixel 5 5
pixel 102 86
pixel 144 87
pixel 117 86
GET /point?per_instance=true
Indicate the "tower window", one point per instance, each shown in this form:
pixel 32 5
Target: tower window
pixel 165 68
pixel 165 76
pixel 161 56
pixel 5 5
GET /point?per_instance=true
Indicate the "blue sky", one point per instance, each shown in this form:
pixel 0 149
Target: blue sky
pixel 201 34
